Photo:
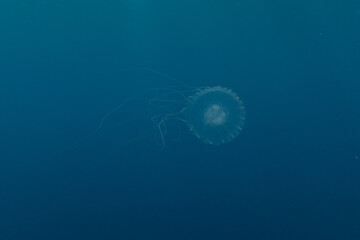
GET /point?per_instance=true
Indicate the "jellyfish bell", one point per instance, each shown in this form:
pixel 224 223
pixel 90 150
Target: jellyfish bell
pixel 215 115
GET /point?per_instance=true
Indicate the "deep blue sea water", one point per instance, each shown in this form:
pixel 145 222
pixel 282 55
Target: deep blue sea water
pixel 292 173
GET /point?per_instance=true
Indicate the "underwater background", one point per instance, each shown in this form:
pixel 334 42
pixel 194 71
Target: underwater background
pixel 292 173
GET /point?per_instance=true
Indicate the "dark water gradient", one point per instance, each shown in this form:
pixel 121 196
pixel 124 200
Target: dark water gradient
pixel 293 173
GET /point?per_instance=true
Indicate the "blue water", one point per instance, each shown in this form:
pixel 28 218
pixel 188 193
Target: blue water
pixel 292 173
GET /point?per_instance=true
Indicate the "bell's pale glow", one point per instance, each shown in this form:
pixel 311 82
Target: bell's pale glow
pixel 214 115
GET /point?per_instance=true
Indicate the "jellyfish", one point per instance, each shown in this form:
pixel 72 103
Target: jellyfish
pixel 214 115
